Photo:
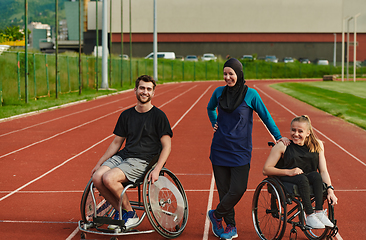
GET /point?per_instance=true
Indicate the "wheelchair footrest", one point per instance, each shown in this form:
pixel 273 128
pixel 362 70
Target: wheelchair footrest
pixel 108 220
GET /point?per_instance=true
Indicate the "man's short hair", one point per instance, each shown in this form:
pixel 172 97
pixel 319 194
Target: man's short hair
pixel 145 78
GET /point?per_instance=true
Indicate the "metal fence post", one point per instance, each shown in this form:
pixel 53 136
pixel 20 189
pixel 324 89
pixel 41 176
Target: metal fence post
pixel 34 75
pixel 68 72
pixel 194 70
pixel 218 70
pixel 206 70
pixel 87 72
pixel 47 78
pixel 18 68
pixel 1 91
pixel 172 70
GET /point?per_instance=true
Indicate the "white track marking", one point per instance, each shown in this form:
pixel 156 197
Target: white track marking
pixel 73 234
pixel 53 169
pixel 67 115
pixel 60 133
pixel 34 180
pixel 132 190
pixel 209 207
pixel 94 120
pixel 27 222
pixel 339 146
pixel 180 119
pixel 55 119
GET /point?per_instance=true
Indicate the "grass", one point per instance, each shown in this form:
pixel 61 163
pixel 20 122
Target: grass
pixel 346 100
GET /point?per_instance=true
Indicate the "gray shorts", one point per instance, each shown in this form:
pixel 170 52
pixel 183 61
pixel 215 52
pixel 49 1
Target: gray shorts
pixel 133 168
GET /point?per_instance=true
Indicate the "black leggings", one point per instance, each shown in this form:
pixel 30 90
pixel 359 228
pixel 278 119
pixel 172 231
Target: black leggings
pixel 303 182
pixel 231 183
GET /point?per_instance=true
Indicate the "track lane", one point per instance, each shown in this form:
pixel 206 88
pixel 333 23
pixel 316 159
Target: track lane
pixel 189 160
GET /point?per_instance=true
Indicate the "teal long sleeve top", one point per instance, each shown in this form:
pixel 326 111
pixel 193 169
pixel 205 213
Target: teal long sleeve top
pixel 232 142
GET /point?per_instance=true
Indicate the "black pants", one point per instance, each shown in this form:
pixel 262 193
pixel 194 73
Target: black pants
pixel 303 182
pixel 231 183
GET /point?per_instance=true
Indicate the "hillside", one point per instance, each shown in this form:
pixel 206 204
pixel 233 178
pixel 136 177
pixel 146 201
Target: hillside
pixel 12 12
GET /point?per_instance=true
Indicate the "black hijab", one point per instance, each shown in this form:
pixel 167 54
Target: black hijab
pixel 232 97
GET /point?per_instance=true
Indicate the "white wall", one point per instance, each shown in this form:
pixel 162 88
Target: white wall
pixel 234 16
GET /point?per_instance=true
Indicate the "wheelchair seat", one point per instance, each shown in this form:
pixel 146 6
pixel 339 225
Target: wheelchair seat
pixel 140 180
pixel 276 203
pixel 293 190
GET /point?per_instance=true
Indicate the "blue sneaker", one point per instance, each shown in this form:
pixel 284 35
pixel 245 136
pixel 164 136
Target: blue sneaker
pixel 116 217
pixel 229 233
pixel 217 228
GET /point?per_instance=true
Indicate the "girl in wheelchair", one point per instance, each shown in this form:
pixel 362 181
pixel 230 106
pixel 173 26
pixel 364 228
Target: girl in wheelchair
pixel 299 163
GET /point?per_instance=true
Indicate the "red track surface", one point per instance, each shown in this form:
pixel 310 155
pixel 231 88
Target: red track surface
pixel 46 161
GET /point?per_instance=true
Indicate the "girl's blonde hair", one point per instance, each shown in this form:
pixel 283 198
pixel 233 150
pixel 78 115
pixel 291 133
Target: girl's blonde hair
pixel 311 141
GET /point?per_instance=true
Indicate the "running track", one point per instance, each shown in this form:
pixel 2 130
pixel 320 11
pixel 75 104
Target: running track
pixel 46 160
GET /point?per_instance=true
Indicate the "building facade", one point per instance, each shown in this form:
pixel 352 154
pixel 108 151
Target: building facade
pixel 285 28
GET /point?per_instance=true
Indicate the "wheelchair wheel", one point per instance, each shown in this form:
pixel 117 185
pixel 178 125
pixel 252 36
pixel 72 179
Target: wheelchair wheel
pixel 317 234
pixel 166 204
pixel 269 210
pixel 88 207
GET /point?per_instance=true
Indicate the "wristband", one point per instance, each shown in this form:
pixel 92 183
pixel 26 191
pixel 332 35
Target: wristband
pixel 331 187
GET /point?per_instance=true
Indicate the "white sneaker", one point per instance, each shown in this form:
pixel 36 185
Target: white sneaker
pixel 322 216
pixel 130 219
pixel 314 222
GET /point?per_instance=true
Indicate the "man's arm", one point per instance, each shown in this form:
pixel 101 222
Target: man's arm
pixel 166 143
pixel 112 150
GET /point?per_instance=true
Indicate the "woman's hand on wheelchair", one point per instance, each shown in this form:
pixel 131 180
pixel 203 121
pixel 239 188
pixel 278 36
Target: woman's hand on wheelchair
pixel 332 199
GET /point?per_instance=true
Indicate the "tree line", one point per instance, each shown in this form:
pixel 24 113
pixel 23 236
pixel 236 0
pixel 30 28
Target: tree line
pixel 11 34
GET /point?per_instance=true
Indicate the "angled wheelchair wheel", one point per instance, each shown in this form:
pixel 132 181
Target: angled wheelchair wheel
pixel 269 210
pixel 92 202
pixel 166 204
pixel 317 234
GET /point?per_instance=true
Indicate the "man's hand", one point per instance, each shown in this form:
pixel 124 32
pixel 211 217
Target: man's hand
pixel 154 175
pixel 95 169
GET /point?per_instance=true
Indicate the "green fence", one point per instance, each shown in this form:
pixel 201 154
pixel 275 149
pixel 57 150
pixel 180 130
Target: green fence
pixel 41 73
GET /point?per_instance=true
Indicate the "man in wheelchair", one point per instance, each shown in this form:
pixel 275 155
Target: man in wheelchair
pixel 147 132
pixel 299 163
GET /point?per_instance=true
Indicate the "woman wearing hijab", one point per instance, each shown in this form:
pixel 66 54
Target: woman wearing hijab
pixel 231 146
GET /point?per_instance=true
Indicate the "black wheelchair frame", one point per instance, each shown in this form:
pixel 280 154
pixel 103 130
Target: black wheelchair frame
pixel 276 203
pixel 164 203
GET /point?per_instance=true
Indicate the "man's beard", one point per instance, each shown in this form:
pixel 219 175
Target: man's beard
pixel 141 101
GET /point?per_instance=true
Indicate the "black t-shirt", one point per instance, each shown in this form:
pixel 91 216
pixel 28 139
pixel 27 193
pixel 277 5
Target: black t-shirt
pixel 299 156
pixel 143 132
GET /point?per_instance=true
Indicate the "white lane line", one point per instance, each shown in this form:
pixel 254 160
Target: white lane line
pixel 55 119
pixel 73 234
pixel 28 222
pixel 53 169
pixel 68 115
pixel 191 107
pixel 81 125
pixel 339 146
pixel 132 190
pixel 209 207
